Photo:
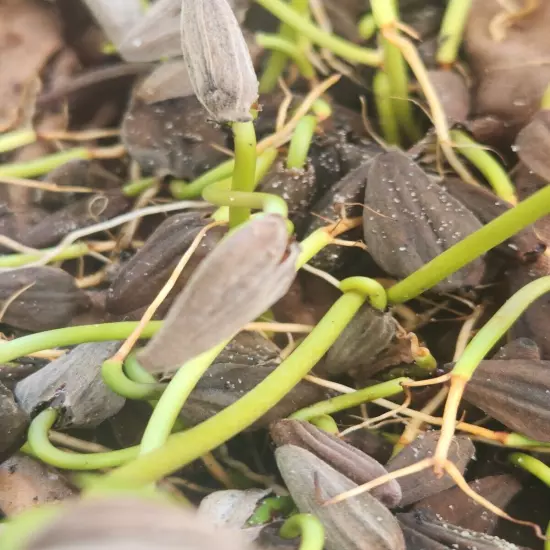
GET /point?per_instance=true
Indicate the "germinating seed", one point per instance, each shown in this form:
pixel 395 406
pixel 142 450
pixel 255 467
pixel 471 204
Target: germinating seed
pixel 218 60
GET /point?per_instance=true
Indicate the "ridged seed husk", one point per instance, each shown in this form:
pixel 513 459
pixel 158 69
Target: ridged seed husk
pixel 425 483
pixel 516 393
pixel 13 424
pixel 456 507
pixel 533 142
pixel 249 348
pixel 358 523
pixel 224 383
pixel 73 383
pixel 344 458
pixel 453 94
pixel 520 348
pixel 366 335
pixel 51 302
pixel 237 282
pixel 218 61
pixel 156 260
pixel 449 535
pixel 409 220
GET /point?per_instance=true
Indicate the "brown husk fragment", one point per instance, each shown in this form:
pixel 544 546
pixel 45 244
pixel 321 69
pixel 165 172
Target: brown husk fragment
pixel 344 458
pixel 520 348
pixel 249 348
pixel 456 507
pixel 73 384
pixel 172 137
pixel 533 142
pixel 51 301
pixel 26 483
pixel 120 523
pixel 13 424
pixel 366 335
pixel 225 383
pixel 155 262
pixel 506 86
pixel 516 392
pixel 354 524
pixel 409 220
pixel 453 94
pixel 236 283
pixel 423 484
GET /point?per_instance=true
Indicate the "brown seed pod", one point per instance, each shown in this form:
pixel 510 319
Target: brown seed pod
pixel 409 220
pixel 344 458
pixel 120 523
pixel 243 276
pixel 249 348
pixel 520 348
pixel 533 143
pixel 425 483
pixel 13 424
pixel 73 383
pixel 172 137
pixel 515 392
pixel 156 260
pixel 446 535
pixel 353 524
pixel 456 507
pixel 297 187
pixel 369 333
pixel 218 61
pixel 453 94
pixel 524 246
pixel 51 300
pixel 371 444
pixel 225 383
pixel 82 213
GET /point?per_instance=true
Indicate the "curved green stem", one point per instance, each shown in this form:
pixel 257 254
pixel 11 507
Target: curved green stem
pixel 290 49
pixel 487 337
pixel 326 423
pixel 366 27
pixel 113 375
pixel 169 406
pixel 134 371
pixel 301 142
pixel 278 59
pixel 494 173
pixel 532 465
pixel 349 400
pixel 369 287
pixel 135 188
pixel 308 527
pixel 19 260
pixel 18 138
pixel 337 45
pixel 181 190
pixel 384 108
pixel 43 449
pixel 244 172
pixel 473 246
pixel 72 336
pixel 452 28
pixel 385 15
pixel 181 449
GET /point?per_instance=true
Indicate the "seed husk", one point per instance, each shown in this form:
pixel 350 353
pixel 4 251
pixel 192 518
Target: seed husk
pixel 73 383
pixel 410 219
pixel 237 282
pixel 520 348
pixel 218 61
pixel 533 142
pixel 13 424
pixel 369 333
pixel 453 94
pixel 515 392
pixel 423 484
pixel 356 523
pixel 52 300
pixel 344 458
pixel 456 507
pixel 156 260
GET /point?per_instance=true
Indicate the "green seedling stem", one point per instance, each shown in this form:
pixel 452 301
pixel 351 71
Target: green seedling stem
pixel 181 449
pixel 301 142
pixel 289 49
pixel 452 29
pixel 349 400
pixel 476 350
pixel 326 423
pixel 473 246
pixel 278 59
pixel 113 375
pixel 337 45
pixel 244 172
pixel 493 171
pixel 17 138
pixel 385 108
pixel 308 528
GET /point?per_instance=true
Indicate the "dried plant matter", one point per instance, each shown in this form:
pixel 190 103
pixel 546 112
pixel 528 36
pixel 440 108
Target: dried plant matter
pixel 354 524
pixel 410 219
pixel 237 282
pixel 218 61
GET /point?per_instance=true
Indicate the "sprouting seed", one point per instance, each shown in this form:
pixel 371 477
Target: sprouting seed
pixel 218 61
